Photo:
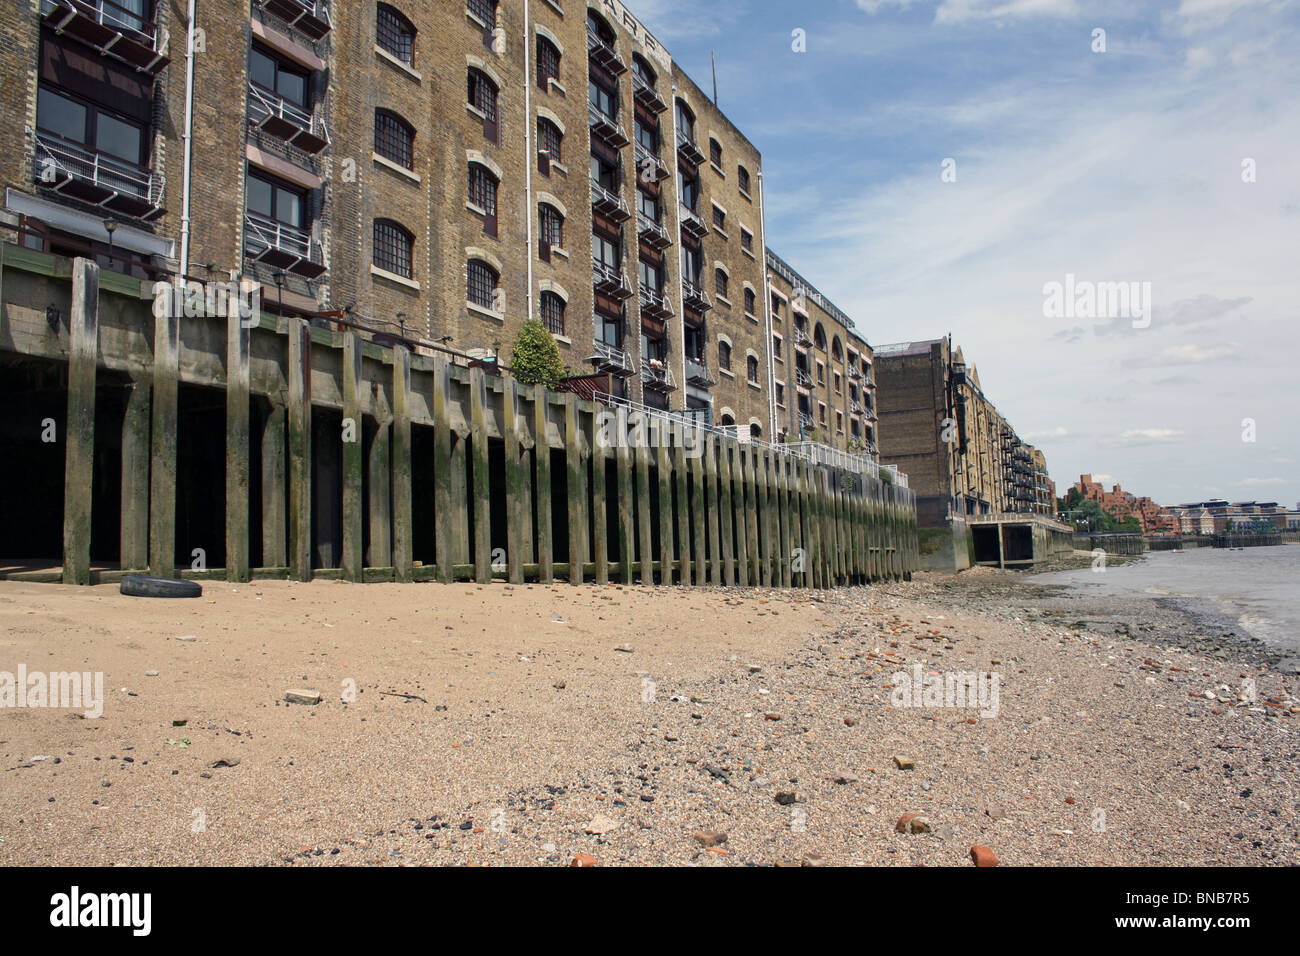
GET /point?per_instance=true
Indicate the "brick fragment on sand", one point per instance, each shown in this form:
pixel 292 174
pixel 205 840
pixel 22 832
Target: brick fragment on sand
pixel 583 859
pixel 710 838
pixel 983 856
pixel 913 823
pixel 309 697
pixel 904 763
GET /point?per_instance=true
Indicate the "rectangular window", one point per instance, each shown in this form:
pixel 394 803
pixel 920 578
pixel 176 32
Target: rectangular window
pixel 89 126
pixel 602 99
pixel 276 201
pixel 647 205
pixel 605 251
pixel 277 77
pixel 746 240
pixel 719 218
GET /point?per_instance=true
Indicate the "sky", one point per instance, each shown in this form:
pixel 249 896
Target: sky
pixel 934 166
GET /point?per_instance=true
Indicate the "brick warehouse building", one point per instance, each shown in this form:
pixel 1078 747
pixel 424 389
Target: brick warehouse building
pixel 416 168
pixel 937 425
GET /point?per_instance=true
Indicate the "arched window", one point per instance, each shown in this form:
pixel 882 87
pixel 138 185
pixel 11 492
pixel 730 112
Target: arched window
pixel 483 97
pixel 643 70
pixel 751 368
pixel 485 11
pixel 483 195
pixel 720 282
pixel 552 310
pixel 755 430
pixel 482 283
pixel 724 355
pixel 394 248
pixel 596 24
pixel 685 121
pixel 551 230
pixel 550 139
pixel 819 337
pixel 394 34
pixel 728 421
pixel 742 178
pixel 837 350
pixel 749 301
pixel 394 138
pixel 548 63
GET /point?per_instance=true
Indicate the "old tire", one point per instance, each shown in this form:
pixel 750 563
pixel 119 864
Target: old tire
pixel 140 585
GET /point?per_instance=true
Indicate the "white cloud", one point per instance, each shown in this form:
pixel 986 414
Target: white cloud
pixel 1256 482
pixel 957 11
pixel 1060 431
pixel 1189 354
pixel 1150 434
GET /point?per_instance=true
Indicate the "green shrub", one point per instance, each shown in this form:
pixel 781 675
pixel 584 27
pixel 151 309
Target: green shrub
pixel 536 358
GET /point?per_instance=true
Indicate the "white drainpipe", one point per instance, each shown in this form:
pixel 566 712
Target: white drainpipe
pixel 188 137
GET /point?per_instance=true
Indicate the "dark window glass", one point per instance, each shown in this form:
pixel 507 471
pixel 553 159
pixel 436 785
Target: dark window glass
pixel 552 226
pixel 275 200
pixel 395 34
pixel 604 173
pixel 483 194
pixel 747 240
pixel 724 356
pixel 648 136
pixel 688 188
pixel 606 251
pixel 550 139
pixel 483 97
pixel 59 115
pixel 715 152
pixel 394 248
pixel 685 121
pixel 603 99
pixel 552 308
pixel 394 139
pixel 548 62
pixel 720 282
pixel 749 301
pixel 647 205
pixel 742 178
pixel 643 69
pixel 279 78
pixel 752 364
pixel 88 125
pixel 691 263
pixel 719 218
pixel 485 10
pixel 651 276
pixel 482 283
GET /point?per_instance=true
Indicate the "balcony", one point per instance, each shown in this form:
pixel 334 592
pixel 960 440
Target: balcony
pixel 855 408
pixel 282 247
pixel 801 336
pixel 695 296
pixel 598 51
pixel 652 233
pixel 802 378
pixel 689 149
pixel 647 95
pixel 109 28
pixel 609 281
pixel 72 170
pixel 806 422
pixel 691 222
pixel 609 128
pixel 698 374
pixel 611 360
pixel 657 375
pixel 285 121
pixel 609 204
pixel 309 17
pixel 855 373
pixel 654 304
pixel 649 163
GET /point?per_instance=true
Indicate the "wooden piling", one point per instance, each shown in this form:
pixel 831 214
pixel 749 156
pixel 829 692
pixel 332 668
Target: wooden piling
pixel 401 464
pixel 134 551
pixel 300 450
pixel 482 476
pixel 516 517
pixel 726 514
pixel 542 496
pixel 711 452
pixel 79 430
pixel 353 562
pixel 576 484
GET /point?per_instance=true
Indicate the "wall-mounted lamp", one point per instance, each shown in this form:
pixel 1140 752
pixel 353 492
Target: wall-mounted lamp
pixel 110 227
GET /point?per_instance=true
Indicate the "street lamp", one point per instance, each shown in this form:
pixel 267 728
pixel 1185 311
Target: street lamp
pixel 110 226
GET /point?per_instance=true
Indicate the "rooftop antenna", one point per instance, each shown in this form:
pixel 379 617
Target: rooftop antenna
pixel 713 57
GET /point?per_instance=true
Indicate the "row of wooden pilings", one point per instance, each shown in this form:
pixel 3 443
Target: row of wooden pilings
pixel 710 510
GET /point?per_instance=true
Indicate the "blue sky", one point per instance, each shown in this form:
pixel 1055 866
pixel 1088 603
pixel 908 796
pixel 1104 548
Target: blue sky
pixel 1122 165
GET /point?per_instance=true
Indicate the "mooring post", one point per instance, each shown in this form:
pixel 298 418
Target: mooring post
pixel 626 531
pixel 764 510
pixel 754 543
pixel 379 477
pixel 645 534
pixel 515 477
pixel 401 465
pixel 739 508
pixel 666 551
pixel 542 466
pixel 683 503
pixel 353 562
pixel 726 529
pixel 443 463
pixel 599 515
pixel 576 487
pixel 79 432
pixel 300 449
pixel 711 509
pixel 238 457
pixel 162 465
pixel 698 549
pixel 275 546
pixel 482 477
pixel 134 551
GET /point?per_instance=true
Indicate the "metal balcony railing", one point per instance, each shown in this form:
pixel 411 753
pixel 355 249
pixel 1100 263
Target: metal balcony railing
pixel 309 17
pixel 696 296
pixel 697 373
pixel 286 121
pixel 608 204
pixel 855 408
pixel 608 128
pixel 281 246
pixel 655 235
pixel 609 280
pixel 654 304
pixel 80 173
pixel 691 222
pixel 603 53
pixel 647 95
pixel 689 149
pixel 651 162
pixel 802 378
pixel 608 358
pixel 657 375
pixel 801 336
pixel 109 27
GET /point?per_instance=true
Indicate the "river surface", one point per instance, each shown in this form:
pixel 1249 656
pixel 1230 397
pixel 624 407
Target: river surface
pixel 1258 587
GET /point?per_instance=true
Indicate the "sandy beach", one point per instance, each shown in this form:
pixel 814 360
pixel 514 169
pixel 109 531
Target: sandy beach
pixel 529 725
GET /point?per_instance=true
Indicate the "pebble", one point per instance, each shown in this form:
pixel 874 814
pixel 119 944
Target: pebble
pixel 707 838
pixel 308 697
pixel 983 856
pixel 913 823
pixel 904 763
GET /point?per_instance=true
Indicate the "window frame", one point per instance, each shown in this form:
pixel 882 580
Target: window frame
pixel 393 248
pixel 395 33
pixel 405 147
pixel 475 283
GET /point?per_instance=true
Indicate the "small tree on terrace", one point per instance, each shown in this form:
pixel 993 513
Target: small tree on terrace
pixel 536 358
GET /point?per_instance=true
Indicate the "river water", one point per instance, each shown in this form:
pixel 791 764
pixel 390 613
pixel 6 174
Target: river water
pixel 1259 587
